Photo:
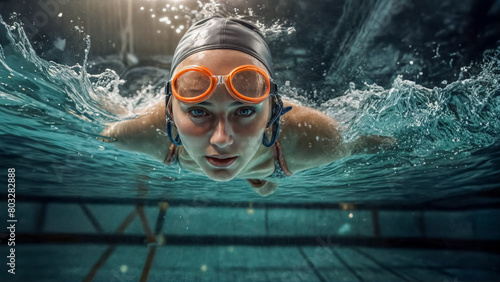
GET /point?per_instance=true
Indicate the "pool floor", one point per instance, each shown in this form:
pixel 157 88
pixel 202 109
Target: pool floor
pixel 98 239
pixel 56 262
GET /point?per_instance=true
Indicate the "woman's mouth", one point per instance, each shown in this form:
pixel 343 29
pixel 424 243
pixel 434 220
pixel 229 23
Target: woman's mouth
pixel 219 161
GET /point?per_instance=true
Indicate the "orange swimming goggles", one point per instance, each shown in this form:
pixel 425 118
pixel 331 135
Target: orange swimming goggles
pixel 247 84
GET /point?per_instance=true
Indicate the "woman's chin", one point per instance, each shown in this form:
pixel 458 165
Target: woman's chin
pixel 221 175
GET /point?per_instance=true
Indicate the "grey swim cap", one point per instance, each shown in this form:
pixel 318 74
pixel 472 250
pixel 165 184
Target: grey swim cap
pixel 224 33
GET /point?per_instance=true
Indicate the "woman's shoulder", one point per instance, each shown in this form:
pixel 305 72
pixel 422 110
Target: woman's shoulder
pixel 309 138
pixel 305 116
pixel 305 124
pixel 143 133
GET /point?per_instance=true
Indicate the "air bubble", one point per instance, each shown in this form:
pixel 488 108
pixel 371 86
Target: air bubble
pixel 352 86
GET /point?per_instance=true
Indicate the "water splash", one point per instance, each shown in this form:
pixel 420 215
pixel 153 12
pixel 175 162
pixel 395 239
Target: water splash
pixel 96 97
pixel 438 126
pixel 462 116
pixel 71 89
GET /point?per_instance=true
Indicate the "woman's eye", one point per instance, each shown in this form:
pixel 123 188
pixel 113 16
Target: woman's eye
pixel 197 112
pixel 245 112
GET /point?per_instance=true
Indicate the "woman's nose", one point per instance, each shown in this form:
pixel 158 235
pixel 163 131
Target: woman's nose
pixel 222 137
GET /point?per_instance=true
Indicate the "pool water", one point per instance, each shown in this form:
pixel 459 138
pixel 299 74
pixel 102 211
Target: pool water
pixel 428 210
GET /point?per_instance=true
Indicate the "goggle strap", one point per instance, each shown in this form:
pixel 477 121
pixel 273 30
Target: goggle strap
pixel 274 136
pixel 168 94
pixel 274 87
pixel 277 112
pixel 177 140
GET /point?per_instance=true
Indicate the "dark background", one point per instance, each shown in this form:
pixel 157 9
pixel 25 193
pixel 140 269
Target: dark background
pixel 334 43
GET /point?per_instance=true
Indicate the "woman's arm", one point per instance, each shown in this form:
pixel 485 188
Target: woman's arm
pixel 144 133
pixel 311 138
pixel 370 144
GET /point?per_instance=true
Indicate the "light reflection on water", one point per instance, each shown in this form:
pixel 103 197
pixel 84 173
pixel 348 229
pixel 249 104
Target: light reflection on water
pixel 52 112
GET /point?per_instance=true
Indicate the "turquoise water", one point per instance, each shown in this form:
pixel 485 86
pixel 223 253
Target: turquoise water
pixel 447 135
pixel 425 211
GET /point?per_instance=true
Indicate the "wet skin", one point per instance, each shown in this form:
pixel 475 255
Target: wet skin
pixel 221 135
pixel 222 138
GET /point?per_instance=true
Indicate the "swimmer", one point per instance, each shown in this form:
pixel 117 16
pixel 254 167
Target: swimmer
pixel 223 116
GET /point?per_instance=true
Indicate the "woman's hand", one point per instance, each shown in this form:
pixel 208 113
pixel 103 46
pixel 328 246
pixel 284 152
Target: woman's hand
pixel 267 189
pixel 263 187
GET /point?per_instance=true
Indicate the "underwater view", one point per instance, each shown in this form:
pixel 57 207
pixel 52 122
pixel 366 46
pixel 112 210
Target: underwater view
pixel 426 73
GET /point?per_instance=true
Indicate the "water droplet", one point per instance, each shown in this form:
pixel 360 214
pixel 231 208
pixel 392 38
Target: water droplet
pixel 123 268
pixel 352 86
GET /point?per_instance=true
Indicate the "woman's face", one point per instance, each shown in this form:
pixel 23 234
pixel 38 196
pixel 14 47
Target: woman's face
pixel 221 134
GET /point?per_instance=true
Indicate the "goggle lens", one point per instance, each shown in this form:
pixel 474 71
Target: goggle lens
pixel 247 84
pixel 250 83
pixel 192 84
